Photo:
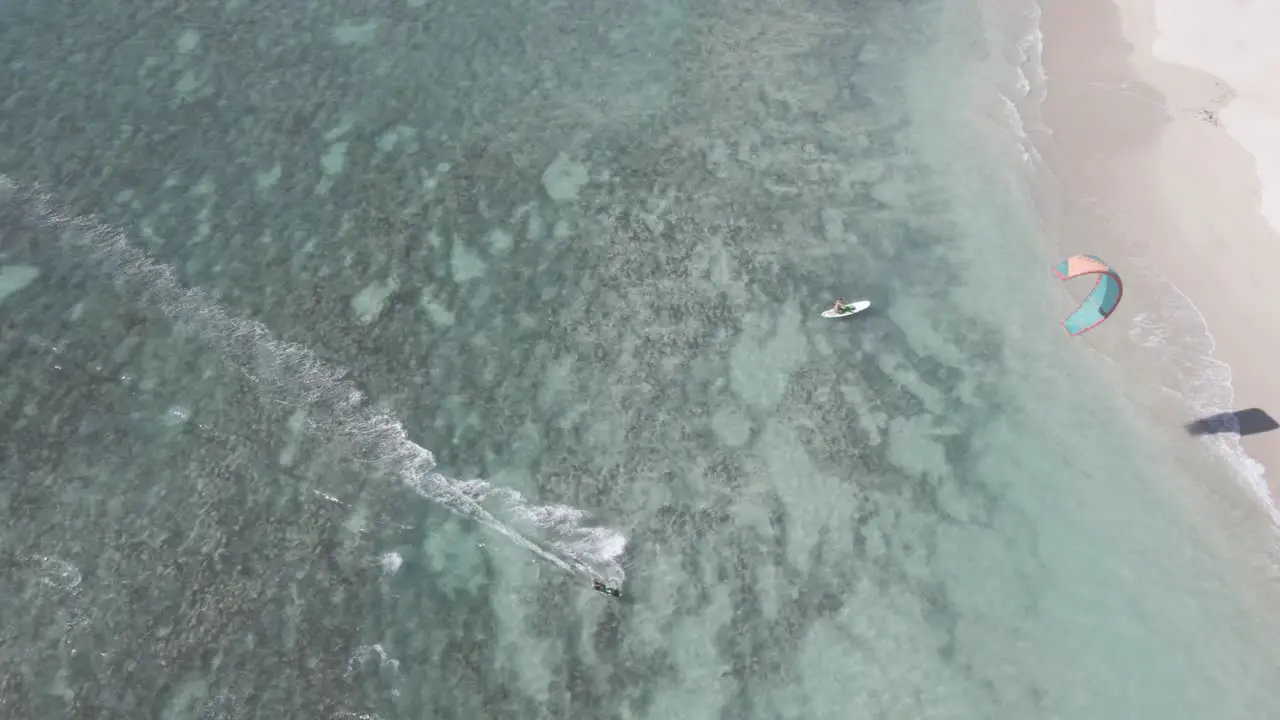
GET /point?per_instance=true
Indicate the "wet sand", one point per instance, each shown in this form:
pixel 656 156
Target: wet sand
pixel 1152 176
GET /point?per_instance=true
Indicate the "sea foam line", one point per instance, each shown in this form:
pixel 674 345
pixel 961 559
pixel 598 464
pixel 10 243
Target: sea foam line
pixel 1206 381
pixel 335 408
pixel 1018 44
pixel 1209 389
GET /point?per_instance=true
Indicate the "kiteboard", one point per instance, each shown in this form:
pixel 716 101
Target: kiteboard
pixel 852 308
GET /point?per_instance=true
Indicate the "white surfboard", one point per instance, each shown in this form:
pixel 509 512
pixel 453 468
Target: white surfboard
pixel 852 308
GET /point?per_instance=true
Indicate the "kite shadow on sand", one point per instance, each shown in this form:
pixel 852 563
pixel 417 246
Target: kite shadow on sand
pixel 1237 422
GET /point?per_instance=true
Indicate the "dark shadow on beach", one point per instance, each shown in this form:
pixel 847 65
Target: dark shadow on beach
pixel 1240 422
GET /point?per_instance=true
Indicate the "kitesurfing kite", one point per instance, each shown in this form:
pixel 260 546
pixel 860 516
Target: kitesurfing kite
pixel 1102 300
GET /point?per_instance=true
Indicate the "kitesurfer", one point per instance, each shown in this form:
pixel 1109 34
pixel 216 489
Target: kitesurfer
pixel 600 587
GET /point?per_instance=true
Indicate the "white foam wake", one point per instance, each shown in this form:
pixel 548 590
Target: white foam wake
pixel 292 373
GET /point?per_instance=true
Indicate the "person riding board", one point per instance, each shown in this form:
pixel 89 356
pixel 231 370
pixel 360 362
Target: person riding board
pixel 600 587
pixel 841 306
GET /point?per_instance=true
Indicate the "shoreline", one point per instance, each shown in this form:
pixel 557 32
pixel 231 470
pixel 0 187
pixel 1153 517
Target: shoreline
pixel 1142 165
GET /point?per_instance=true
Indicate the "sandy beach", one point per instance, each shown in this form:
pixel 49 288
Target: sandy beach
pixel 344 345
pixel 1162 141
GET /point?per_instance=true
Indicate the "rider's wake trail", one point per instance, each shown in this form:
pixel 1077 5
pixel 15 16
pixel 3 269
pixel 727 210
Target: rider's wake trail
pixel 292 373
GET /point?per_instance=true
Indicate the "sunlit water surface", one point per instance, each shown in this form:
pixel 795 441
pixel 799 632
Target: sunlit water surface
pixel 397 321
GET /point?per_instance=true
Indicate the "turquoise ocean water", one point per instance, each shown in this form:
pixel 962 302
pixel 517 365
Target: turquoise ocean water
pixel 343 344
